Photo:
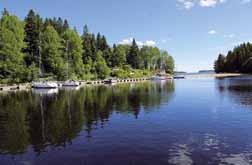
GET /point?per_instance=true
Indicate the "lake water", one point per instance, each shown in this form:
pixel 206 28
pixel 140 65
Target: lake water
pixel 184 122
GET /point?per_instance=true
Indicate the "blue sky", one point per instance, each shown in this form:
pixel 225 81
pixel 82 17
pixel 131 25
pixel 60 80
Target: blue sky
pixel 192 31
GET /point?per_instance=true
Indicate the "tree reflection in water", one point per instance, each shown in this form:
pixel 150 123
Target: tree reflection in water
pixel 238 90
pixel 48 118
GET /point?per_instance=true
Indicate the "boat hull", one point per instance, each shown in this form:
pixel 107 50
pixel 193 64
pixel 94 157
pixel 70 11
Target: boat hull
pixel 157 78
pixel 71 84
pixel 44 85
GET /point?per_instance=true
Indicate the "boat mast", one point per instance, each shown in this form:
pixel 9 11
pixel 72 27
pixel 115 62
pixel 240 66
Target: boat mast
pixel 67 49
pixel 39 54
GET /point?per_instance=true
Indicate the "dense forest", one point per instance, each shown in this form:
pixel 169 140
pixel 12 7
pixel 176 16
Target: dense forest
pixel 239 60
pixel 49 48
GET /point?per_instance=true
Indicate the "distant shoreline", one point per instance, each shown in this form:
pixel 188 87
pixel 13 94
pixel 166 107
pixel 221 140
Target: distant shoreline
pixel 216 75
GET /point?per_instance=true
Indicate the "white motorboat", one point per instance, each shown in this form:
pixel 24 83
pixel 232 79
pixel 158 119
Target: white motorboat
pixel 44 85
pixel 71 83
pixel 161 77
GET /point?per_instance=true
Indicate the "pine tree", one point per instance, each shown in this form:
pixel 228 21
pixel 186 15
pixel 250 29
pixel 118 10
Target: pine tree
pixel 65 25
pixel 33 25
pixel 133 55
pixel 104 44
pixel 86 44
pixel 118 58
pixel 219 65
pixel 99 42
pixel 5 12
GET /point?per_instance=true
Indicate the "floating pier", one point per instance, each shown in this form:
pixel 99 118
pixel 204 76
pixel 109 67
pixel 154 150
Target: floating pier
pixel 15 87
pixel 26 86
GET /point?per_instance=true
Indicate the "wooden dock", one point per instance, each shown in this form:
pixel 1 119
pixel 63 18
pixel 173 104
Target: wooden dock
pixel 15 87
pixel 27 86
pixel 97 82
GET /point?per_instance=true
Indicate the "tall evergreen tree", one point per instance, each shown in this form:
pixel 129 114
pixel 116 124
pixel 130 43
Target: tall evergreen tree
pixel 219 65
pixel 99 42
pixel 33 27
pixel 86 44
pixel 118 57
pixel 5 12
pixel 65 25
pixel 133 55
pixel 237 60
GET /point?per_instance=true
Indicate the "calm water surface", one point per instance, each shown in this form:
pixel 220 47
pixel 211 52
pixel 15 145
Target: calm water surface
pixel 193 121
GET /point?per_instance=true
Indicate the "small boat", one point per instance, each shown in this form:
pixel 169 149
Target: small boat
pixel 110 81
pixel 179 77
pixel 161 77
pixel 71 83
pixel 44 85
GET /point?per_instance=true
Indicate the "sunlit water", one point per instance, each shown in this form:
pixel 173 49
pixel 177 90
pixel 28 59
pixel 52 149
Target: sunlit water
pixel 192 121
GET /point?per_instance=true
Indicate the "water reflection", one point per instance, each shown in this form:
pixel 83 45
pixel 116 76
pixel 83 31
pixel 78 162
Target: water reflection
pixel 238 90
pixel 42 118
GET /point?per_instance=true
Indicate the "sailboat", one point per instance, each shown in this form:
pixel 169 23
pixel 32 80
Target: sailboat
pixel 162 75
pixel 43 84
pixel 69 83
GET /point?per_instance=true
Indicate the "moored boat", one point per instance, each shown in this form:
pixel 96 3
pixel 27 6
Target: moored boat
pixel 44 85
pixel 110 81
pixel 161 77
pixel 179 77
pixel 71 83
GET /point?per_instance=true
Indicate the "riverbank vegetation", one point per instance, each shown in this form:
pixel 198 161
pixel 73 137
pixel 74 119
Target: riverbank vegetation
pixel 239 60
pixel 49 48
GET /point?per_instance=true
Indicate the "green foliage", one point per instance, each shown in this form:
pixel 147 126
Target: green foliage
pixel 219 65
pixel 133 57
pixel 239 60
pixel 118 56
pixel 50 49
pixel 11 44
pixel 167 62
pixel 33 27
pixel 101 68
pixel 74 51
pixel 150 57
pixel 52 59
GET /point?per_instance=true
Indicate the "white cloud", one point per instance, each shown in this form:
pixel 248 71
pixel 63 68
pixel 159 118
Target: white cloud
pixel 212 32
pixel 208 3
pixel 128 41
pixel 150 43
pixel 188 4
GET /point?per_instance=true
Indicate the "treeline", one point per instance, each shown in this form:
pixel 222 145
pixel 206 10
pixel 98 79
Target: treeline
pixel 49 48
pixel 239 60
